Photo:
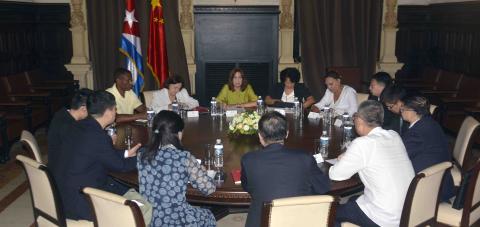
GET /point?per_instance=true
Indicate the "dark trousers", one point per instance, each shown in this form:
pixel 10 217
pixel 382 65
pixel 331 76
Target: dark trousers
pixel 351 212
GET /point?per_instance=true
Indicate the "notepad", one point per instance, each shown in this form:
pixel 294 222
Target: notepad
pixel 236 175
pixel 318 158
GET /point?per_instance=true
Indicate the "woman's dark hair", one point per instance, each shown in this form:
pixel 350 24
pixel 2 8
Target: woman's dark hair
pixel 419 104
pixel 291 73
pixel 333 74
pixel 382 78
pixel 120 72
pixel 230 79
pixel 175 79
pixel 165 129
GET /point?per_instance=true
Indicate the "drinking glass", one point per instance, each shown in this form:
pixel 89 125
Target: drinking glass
pixel 128 137
pixel 207 160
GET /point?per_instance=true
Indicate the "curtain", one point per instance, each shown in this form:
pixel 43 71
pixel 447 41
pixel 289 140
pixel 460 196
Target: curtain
pixel 338 33
pixel 105 20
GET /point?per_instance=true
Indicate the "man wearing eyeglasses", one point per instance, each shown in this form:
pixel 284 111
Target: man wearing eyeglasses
pixel 381 160
pixel 392 98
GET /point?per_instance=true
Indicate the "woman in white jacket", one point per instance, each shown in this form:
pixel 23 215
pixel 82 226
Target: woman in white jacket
pixel 173 90
pixel 342 98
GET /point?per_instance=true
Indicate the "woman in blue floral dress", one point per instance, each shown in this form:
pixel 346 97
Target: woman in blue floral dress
pixel 165 169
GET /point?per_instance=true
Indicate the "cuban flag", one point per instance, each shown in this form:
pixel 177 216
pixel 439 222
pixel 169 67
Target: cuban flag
pixel 130 46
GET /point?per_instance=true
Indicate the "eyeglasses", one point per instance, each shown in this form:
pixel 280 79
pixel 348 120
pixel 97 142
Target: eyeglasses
pixel 403 109
pixel 390 106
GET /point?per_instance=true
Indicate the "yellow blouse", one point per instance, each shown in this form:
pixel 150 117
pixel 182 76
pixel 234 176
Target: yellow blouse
pixel 236 97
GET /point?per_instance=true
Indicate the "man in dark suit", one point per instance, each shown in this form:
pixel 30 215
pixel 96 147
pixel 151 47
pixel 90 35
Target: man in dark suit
pixel 92 156
pixel 276 171
pixel 64 126
pixel 425 141
pixel 392 99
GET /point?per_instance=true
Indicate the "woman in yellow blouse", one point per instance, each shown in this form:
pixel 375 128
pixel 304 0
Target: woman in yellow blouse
pixel 237 93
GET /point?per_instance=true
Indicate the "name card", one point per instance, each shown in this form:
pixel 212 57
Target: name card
pixel 211 173
pixel 313 115
pixel 281 111
pixel 231 113
pixel 318 158
pixel 192 113
pixel 338 123
pixel 199 161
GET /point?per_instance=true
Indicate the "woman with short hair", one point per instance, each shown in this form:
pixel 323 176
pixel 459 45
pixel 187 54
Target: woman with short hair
pixel 288 89
pixel 342 98
pixel 172 90
pixel 164 171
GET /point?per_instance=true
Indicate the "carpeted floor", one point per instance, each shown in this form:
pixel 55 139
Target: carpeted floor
pixel 15 201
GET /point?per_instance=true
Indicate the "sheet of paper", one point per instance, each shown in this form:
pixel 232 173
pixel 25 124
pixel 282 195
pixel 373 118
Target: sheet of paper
pixel 281 111
pixel 313 115
pixel 332 161
pixel 231 113
pixel 192 113
pixel 318 158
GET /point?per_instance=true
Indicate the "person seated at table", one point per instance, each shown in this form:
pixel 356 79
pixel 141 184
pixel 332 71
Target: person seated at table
pixel 129 107
pixel 288 89
pixel 392 97
pixel 92 156
pixel 277 171
pixel 64 126
pixel 425 141
pixel 164 171
pixel 378 83
pixel 173 90
pixel 380 159
pixel 237 93
pixel 342 98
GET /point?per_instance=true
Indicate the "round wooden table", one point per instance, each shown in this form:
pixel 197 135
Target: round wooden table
pixel 206 129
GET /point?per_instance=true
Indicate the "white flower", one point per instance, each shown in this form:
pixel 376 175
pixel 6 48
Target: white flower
pixel 246 127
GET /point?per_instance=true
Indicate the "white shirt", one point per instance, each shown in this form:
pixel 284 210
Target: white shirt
pixel 347 102
pixel 160 100
pixel 288 98
pixel 382 162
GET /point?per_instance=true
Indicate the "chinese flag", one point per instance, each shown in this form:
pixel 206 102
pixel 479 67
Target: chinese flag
pixel 157 49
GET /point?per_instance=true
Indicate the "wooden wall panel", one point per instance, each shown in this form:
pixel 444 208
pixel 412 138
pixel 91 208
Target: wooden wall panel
pixel 446 36
pixel 34 36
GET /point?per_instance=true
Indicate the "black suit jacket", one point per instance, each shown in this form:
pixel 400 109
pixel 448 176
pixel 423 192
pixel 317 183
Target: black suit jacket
pixel 391 121
pixel 278 172
pixel 426 146
pixel 90 158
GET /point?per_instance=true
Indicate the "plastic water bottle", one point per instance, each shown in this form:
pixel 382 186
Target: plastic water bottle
pixel 345 117
pixel 175 106
pixel 347 135
pixel 324 140
pixel 218 153
pixel 213 107
pixel 296 107
pixel 260 107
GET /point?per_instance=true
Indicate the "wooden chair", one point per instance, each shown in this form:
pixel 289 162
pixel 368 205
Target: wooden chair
pixel 148 96
pixel 46 202
pixel 361 97
pixel 113 210
pixel 11 126
pixel 318 210
pixel 31 144
pixel 351 76
pixel 422 199
pixel 470 213
pixel 462 148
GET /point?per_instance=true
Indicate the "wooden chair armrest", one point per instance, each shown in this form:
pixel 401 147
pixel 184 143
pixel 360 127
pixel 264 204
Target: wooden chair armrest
pixel 448 92
pixel 14 103
pixel 459 100
pixel 473 110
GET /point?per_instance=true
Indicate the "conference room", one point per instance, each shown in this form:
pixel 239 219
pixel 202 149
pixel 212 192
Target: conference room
pixel 239 113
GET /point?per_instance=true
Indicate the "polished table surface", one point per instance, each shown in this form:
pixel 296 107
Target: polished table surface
pixel 206 129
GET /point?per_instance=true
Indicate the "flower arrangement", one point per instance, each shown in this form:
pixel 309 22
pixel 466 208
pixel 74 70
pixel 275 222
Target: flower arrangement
pixel 245 123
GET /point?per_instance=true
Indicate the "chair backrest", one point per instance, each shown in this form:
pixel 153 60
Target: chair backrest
pixel 361 97
pixel 148 95
pixel 431 75
pixel 113 210
pixel 46 203
pixel 433 108
pixel 351 76
pixel 318 210
pixel 448 80
pixel 471 207
pixel 464 139
pixel 421 203
pixel 31 143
